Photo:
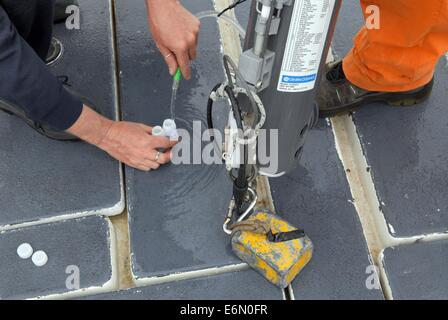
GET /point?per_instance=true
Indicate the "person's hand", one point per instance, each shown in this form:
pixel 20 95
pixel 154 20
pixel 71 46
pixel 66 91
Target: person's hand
pixel 133 144
pixel 128 142
pixel 175 31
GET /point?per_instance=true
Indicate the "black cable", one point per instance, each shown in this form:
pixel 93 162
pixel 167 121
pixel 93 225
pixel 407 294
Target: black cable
pixel 235 107
pixel 231 7
pixel 229 64
pixel 210 112
pixel 240 185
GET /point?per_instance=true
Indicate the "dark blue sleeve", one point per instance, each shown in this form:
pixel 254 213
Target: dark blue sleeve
pixel 26 81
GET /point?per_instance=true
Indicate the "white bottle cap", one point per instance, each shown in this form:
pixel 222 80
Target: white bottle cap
pixel 265 11
pixel 158 131
pixel 170 128
pixel 25 251
pixel 169 125
pixel 39 258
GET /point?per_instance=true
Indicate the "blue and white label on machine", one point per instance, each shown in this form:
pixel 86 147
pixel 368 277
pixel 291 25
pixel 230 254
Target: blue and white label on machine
pixel 308 31
pixel 299 79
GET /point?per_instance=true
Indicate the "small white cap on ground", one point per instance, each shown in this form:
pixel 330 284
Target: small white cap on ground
pixel 170 128
pixel 25 251
pixel 158 131
pixel 39 258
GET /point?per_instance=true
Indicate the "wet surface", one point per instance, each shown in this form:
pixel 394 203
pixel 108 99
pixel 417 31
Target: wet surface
pixel 83 243
pixel 418 271
pixel 406 149
pixel 41 178
pixel 316 197
pixel 176 213
pixel 231 286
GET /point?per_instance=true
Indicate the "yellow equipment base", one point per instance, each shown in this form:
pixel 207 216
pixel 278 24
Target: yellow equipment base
pixel 278 262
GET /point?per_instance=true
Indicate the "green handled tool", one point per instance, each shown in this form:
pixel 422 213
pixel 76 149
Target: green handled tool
pixel 176 82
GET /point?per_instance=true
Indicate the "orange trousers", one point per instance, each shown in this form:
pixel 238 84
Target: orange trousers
pixel 402 54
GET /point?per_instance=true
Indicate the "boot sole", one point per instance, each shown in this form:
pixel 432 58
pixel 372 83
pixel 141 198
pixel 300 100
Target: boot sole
pixel 392 99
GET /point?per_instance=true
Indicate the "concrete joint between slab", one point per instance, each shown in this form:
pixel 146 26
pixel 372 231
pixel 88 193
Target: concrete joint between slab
pixel 115 63
pixel 143 282
pixel 383 277
pixel 109 286
pixel 230 40
pixel 124 267
pixel 112 211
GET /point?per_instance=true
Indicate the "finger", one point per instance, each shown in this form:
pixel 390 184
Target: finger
pixel 151 164
pixel 170 59
pixel 161 143
pixel 192 51
pixel 173 143
pixel 162 158
pixel 140 166
pixel 183 59
pixel 147 129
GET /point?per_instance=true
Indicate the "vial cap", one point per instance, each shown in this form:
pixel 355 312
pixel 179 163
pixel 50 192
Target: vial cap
pixel 25 251
pixel 39 258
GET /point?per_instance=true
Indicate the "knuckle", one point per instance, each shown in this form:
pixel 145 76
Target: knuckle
pixel 191 38
pixel 181 45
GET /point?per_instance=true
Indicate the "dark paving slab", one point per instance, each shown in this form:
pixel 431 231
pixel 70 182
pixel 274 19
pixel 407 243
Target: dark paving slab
pixel 176 213
pixel 316 197
pixel 84 243
pixel 40 178
pixel 418 271
pixel 406 148
pixel 350 21
pixel 231 286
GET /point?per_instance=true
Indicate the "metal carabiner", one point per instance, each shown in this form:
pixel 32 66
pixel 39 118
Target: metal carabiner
pixel 225 226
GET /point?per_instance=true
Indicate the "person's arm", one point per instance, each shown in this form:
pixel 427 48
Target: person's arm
pixel 27 82
pixel 175 31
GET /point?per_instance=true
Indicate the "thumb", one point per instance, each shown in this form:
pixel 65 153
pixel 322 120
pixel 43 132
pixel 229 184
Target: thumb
pixel 170 59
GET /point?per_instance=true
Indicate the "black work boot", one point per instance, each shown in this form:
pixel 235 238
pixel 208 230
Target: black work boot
pixel 55 51
pixel 43 129
pixel 60 8
pixel 337 95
